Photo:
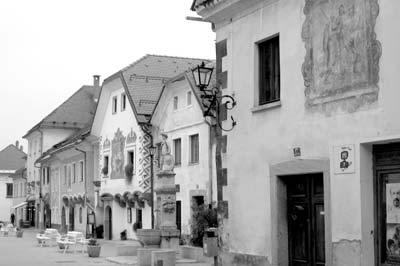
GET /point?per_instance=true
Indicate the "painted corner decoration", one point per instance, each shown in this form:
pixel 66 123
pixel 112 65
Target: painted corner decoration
pixel 341 66
pixel 117 155
pixel 344 159
pixel 131 138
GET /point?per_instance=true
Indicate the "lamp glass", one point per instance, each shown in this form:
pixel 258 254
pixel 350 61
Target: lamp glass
pixel 202 75
pixel 152 150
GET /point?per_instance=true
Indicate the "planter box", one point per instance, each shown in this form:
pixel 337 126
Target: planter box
pixel 93 251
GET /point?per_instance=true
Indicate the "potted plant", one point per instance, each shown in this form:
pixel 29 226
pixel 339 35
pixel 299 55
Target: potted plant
pixel 93 248
pixel 129 172
pixel 19 232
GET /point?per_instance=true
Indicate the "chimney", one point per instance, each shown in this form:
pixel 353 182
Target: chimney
pixel 17 144
pixel 96 87
pixel 21 148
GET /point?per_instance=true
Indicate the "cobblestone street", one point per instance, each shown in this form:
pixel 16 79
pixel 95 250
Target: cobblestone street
pixel 25 251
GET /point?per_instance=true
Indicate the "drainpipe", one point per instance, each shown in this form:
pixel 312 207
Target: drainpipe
pixel 40 181
pixel 210 161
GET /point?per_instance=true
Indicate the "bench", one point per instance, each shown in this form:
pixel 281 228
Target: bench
pixel 50 235
pixel 73 238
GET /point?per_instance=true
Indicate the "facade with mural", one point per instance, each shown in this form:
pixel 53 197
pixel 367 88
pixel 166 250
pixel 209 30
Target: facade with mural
pixel 315 152
pixel 121 124
pixel 178 116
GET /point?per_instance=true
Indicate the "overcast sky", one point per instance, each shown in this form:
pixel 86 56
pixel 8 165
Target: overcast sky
pixel 50 48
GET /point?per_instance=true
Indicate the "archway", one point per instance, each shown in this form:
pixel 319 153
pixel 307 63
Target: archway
pixel 63 220
pixel 108 223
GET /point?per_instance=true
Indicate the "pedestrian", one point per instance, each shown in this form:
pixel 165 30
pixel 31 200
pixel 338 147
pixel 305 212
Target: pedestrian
pixel 12 218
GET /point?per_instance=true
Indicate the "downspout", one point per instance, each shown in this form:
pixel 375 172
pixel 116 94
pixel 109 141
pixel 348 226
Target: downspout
pixel 40 173
pixel 210 156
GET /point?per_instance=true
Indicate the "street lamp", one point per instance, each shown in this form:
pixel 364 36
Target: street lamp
pixel 152 151
pixel 211 99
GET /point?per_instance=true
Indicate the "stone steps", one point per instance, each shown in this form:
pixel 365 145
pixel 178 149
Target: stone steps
pixel 132 260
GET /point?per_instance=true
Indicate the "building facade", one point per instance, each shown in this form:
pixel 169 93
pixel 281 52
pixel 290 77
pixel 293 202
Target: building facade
pixel 313 163
pixel 179 116
pixel 122 126
pixel 68 118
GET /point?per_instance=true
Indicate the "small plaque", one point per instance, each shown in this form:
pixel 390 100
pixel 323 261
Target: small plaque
pixel 296 152
pixel 344 159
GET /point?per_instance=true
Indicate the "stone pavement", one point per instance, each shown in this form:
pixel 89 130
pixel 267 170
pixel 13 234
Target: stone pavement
pixel 26 252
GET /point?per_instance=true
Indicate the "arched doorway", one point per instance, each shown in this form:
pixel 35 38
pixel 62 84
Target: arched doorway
pixel 108 223
pixel 63 220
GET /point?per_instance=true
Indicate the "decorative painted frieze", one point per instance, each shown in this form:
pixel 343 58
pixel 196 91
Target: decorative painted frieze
pixel 117 155
pixel 131 138
pixel 341 66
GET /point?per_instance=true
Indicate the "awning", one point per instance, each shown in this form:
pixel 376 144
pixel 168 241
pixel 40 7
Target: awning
pixel 19 205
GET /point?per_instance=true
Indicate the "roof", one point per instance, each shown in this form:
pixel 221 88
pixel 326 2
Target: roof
pixel 76 112
pixel 145 79
pixel 11 158
pixel 197 3
pixel 65 144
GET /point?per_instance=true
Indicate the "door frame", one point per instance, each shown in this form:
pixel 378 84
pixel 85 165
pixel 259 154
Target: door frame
pixel 278 226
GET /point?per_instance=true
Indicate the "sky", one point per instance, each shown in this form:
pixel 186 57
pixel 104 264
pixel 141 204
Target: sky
pixel 50 48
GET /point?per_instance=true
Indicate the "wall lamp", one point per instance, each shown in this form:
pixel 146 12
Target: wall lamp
pixel 211 99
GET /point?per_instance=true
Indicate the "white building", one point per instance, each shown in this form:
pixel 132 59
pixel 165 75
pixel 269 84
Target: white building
pixel 11 161
pixel 179 115
pixel 72 115
pixel 121 124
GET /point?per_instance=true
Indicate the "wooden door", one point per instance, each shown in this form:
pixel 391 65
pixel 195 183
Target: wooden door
pixel 108 224
pixel 178 215
pixel 71 218
pixel 306 224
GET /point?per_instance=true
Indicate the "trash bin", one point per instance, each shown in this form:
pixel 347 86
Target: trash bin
pixel 210 242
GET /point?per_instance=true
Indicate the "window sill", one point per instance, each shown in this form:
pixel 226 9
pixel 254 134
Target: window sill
pixel 267 106
pixel 195 163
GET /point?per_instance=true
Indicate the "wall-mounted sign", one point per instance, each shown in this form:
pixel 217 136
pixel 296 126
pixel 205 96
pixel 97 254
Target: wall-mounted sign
pixel 297 152
pixel 343 159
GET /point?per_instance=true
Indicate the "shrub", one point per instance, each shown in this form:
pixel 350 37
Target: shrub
pixel 202 219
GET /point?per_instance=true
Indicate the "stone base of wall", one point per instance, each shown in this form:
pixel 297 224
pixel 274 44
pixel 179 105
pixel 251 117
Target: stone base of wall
pixel 241 259
pixel 346 252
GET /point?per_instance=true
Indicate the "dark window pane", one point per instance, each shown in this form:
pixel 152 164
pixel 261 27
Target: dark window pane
pixel 177 150
pixel 194 148
pixel 269 71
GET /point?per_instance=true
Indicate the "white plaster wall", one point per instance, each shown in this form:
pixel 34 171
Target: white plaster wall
pixel 105 125
pixel 267 137
pixel 187 120
pixel 5 203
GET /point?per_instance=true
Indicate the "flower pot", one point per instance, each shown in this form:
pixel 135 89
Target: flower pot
pixel 19 233
pixel 93 251
pixel 149 237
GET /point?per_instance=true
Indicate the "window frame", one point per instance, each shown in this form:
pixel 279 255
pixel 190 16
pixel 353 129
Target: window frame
pixel 9 187
pixel 178 162
pixel 260 68
pixel 175 103
pixel 123 101
pixel 189 98
pixel 191 157
pixel 82 170
pixel 73 173
pixel 114 105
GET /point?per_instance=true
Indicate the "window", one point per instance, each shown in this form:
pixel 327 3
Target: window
pixel 158 145
pixel 269 71
pixel 139 217
pixel 123 102
pixel 189 98
pixel 43 175
pixel 69 175
pixel 177 151
pixel 9 190
pixel 129 215
pixel 194 148
pixel 131 158
pixel 114 104
pixel 105 165
pixel 80 215
pixel 48 174
pixel 74 173
pixel 65 174
pixel 176 103
pixel 81 170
